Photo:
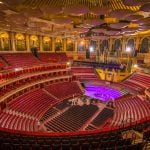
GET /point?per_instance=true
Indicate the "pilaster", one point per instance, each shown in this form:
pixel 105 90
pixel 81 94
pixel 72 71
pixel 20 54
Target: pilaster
pixel 41 44
pixel 27 43
pixel 12 38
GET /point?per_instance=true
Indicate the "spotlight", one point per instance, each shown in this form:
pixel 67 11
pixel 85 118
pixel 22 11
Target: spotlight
pixel 68 63
pixel 82 42
pixel 91 49
pixel 128 49
pixel 18 69
pixel 135 65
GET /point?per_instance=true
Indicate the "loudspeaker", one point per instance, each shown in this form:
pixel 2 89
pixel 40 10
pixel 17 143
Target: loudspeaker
pixel 87 54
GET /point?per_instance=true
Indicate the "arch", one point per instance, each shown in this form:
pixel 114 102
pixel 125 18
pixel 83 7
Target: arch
pixel 47 43
pixel 144 45
pixel 46 39
pixel 33 38
pixel 34 41
pixel 116 45
pixel 81 45
pixel 4 41
pixel 70 44
pixel 20 42
pixel 104 45
pixel 58 44
pixel 19 36
pixel 131 44
pixel 93 44
pixel 4 35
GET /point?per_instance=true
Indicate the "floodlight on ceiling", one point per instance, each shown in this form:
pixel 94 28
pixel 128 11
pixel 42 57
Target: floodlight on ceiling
pixel 91 48
pixel 135 65
pixel 82 42
pixel 128 49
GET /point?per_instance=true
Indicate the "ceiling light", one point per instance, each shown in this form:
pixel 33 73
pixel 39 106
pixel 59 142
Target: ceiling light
pixel 91 48
pixel 68 63
pixel 128 49
pixel 82 42
pixel 135 65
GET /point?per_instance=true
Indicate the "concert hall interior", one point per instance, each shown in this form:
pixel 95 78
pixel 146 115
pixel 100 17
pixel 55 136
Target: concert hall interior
pixel 74 74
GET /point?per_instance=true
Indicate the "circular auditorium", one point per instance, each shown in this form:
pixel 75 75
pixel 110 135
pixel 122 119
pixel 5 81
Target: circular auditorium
pixel 75 74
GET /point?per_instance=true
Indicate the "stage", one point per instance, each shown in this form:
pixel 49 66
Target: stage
pixel 100 92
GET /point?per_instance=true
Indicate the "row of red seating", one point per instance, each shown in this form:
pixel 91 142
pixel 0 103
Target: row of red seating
pixel 87 77
pixel 72 119
pixel 53 57
pixel 130 109
pixel 14 84
pixel 19 91
pixel 82 140
pixel 82 69
pixel 141 78
pixel 1 66
pixel 17 122
pixel 64 90
pixel 132 86
pixel 21 71
pixel 102 117
pixel 30 103
pixel 33 103
pixel 82 73
pixel 145 122
pixel 16 60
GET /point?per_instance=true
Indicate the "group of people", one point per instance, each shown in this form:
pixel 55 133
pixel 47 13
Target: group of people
pixel 82 100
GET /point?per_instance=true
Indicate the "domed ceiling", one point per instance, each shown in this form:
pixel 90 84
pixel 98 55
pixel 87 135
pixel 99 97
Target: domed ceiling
pixel 71 18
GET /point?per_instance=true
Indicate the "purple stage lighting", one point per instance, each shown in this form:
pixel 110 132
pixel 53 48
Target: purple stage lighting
pixel 103 93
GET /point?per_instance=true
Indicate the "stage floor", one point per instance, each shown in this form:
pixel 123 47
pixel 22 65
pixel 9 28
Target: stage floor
pixel 100 92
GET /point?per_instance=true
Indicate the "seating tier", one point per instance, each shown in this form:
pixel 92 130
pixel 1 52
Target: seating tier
pixel 64 90
pixel 20 59
pixel 130 109
pixel 84 73
pixel 34 103
pixel 82 69
pixel 132 86
pixel 17 122
pixel 104 115
pixel 141 78
pixel 72 119
pixel 53 57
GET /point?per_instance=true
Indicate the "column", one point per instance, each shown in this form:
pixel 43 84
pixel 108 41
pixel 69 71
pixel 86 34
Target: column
pixel 137 42
pixel 87 44
pixel 12 38
pixel 110 44
pixel 27 43
pixel 98 51
pixel 41 44
pixel 108 55
pixel 75 50
pixel 2 43
pixel 76 46
pixel 65 45
pixel 123 44
pixel 53 44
